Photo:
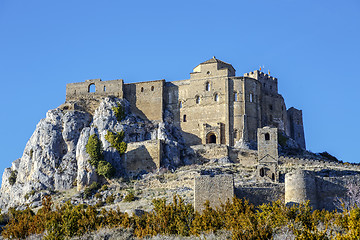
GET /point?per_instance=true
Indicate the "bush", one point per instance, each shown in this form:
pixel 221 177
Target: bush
pixel 12 178
pixel 119 112
pixel 129 197
pixel 105 169
pixel 89 191
pixel 98 195
pixel 110 199
pixel 116 141
pixel 104 188
pixel 94 149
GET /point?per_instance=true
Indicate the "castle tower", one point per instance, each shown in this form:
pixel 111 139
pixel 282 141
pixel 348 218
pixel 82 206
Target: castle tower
pixel 267 153
pixel 295 126
pixel 300 186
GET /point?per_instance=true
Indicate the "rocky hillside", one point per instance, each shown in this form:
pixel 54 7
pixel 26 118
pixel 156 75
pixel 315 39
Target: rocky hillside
pixel 55 156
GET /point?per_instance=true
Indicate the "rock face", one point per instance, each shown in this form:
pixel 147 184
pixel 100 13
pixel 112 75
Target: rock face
pixel 55 156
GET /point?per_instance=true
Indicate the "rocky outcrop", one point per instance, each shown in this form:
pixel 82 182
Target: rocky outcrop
pixel 55 156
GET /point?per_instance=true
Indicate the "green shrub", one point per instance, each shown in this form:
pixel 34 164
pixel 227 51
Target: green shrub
pixel 110 199
pixel 129 197
pixel 99 204
pixel 12 178
pixel 105 169
pixel 98 195
pixel 119 112
pixel 94 149
pixel 89 191
pixel 104 188
pixel 116 141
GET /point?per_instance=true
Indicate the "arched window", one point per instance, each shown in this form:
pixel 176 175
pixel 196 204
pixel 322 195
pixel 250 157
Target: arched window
pixel 267 136
pixel 152 88
pixel 142 89
pixel 104 88
pixel 251 97
pixel 197 99
pixel 216 97
pixel 207 86
pixel 180 104
pixel 92 88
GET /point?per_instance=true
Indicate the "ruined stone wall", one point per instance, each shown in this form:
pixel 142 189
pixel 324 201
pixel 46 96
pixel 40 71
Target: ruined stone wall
pixel 245 157
pixel 216 189
pixel 205 152
pixel 83 90
pixel 296 126
pixel 146 99
pixel 141 156
pixel 258 194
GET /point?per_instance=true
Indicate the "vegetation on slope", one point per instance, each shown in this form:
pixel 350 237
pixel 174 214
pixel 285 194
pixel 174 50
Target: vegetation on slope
pixel 241 218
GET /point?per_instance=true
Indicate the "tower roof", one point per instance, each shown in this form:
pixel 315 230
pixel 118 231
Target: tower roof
pixel 220 64
pixel 215 60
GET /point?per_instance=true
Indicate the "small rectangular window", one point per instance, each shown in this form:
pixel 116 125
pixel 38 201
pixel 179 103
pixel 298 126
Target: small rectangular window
pixel 184 118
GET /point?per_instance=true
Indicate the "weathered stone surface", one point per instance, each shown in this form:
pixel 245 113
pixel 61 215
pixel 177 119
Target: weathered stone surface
pixel 216 189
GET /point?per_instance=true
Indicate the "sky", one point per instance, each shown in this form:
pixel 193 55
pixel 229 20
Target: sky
pixel 312 47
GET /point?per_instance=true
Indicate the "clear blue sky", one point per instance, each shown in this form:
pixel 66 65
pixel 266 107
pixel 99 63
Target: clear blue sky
pixel 312 47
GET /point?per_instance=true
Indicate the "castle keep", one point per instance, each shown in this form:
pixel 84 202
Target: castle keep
pixel 213 106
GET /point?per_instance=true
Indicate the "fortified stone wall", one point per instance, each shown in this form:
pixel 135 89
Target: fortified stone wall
pixel 141 156
pixel 146 99
pixel 296 126
pixel 213 106
pixel 216 189
pixel 300 186
pixel 94 88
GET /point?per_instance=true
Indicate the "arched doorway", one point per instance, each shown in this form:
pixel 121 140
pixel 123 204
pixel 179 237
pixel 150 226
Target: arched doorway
pixel 211 138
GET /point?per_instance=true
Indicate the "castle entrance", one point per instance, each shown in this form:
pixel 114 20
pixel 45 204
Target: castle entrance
pixel 211 138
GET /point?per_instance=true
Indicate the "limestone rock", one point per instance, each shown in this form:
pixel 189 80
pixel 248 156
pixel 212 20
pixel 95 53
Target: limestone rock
pixel 55 156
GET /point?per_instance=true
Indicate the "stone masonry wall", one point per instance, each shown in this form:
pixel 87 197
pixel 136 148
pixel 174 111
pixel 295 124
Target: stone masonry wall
pixel 217 189
pixel 142 156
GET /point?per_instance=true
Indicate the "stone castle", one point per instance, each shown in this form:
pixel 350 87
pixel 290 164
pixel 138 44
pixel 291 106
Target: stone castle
pixel 213 106
pixel 221 116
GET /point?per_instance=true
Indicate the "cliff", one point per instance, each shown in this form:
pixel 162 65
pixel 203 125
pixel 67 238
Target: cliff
pixel 55 156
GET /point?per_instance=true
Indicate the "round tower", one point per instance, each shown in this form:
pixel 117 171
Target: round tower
pixel 300 186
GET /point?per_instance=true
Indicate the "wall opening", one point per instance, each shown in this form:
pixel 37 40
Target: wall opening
pixel 262 172
pixel 197 99
pixel 271 107
pixel 251 98
pixel 104 88
pixel 216 97
pixel 92 88
pixel 235 96
pixel 180 104
pixel 184 118
pixel 207 86
pixel 273 176
pixel 267 136
pixel 142 89
pixel 152 88
pixel 211 138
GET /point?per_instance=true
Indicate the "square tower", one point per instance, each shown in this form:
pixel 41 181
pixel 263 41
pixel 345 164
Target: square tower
pixel 268 153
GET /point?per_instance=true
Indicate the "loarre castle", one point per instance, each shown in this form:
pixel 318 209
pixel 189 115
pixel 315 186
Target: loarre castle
pixel 221 115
